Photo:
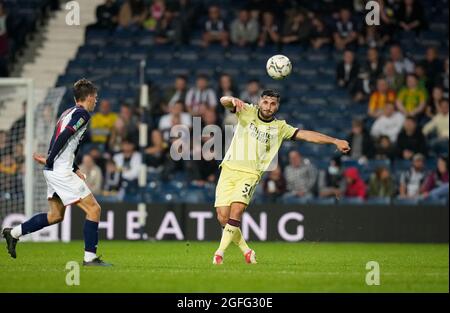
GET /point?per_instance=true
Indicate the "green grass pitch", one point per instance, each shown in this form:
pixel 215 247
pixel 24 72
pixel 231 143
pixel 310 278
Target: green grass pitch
pixel 186 267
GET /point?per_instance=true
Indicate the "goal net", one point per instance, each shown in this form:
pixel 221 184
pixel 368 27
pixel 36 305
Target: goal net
pixel 26 126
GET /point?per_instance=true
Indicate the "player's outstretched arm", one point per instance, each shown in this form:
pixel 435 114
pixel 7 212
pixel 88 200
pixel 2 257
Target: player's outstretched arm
pixel 315 137
pixel 232 103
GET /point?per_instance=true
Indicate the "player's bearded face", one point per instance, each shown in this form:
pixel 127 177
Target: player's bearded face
pixel 268 106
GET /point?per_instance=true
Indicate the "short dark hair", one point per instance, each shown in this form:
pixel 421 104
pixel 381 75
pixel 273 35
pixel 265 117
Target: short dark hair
pixel 83 88
pixel 271 93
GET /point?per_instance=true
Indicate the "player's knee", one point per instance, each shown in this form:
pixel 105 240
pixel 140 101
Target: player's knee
pixel 55 218
pixel 222 218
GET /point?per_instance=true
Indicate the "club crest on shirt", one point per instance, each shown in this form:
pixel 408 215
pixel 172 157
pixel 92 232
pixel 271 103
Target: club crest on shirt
pixel 79 124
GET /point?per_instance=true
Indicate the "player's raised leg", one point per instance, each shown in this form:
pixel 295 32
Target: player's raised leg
pixel 90 231
pixel 37 222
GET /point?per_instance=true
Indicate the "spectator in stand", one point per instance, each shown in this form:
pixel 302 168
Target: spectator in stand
pixel 128 162
pixel 269 33
pixel 422 79
pixel 411 99
pixel 132 14
pixel 389 124
pixel 331 180
pixel 372 70
pixel 354 185
pixel 102 123
pixel 297 29
pixel 360 141
pixel 394 79
pixel 106 14
pixel 435 185
pixel 345 31
pixel 166 29
pixel 382 184
pixel 99 158
pixel 94 178
pixel 215 28
pixel 252 92
pixel 410 16
pixel 433 102
pixel 402 64
pixel 126 126
pixel 176 116
pixel 112 178
pixel 384 149
pixel 433 67
pixel 185 15
pixel 379 98
pixel 301 177
pixel 226 88
pixel 412 179
pixel 347 72
pixel 320 34
pixel 439 125
pixel 156 152
pixel 410 141
pixel 244 30
pixel 156 12
pixel 372 37
pixel 177 92
pixel 274 185
pixel 200 97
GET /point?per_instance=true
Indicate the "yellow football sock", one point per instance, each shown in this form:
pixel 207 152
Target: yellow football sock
pixel 240 241
pixel 228 235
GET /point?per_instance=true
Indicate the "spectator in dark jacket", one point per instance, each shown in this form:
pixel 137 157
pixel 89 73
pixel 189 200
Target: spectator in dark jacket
pixel 360 141
pixel 432 66
pixel 410 140
pixel 346 32
pixel 410 16
pixel 331 181
pixel 347 71
pixel 384 149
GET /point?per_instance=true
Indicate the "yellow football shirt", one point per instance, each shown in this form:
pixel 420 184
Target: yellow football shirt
pixel 101 126
pixel 256 142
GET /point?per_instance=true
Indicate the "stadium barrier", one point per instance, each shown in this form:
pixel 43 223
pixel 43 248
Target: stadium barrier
pixel 265 222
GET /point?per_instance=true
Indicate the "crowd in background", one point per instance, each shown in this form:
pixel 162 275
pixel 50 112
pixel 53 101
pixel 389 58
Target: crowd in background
pixel 407 100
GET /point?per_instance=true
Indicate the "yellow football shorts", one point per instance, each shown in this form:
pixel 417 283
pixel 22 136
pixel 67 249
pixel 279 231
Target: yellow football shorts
pixel 235 186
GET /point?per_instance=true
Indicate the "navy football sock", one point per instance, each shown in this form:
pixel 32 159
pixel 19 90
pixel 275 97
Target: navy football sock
pixel 90 232
pixel 35 223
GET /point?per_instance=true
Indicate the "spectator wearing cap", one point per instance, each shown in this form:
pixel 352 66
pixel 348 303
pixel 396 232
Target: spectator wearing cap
pixel 412 179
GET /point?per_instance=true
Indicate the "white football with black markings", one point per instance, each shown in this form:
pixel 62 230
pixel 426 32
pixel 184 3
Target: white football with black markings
pixel 279 66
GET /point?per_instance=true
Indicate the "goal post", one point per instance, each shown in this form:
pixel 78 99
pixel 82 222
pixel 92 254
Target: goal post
pixel 23 189
pixel 28 84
